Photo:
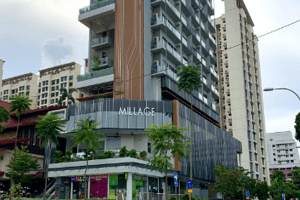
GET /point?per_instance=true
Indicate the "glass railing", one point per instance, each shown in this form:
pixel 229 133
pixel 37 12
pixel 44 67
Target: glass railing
pixel 197 18
pixel 204 80
pixel 96 6
pixel 215 90
pixel 198 37
pixel 184 41
pixel 200 96
pixel 213 106
pixel 205 100
pixel 212 39
pixel 203 44
pixel 184 21
pixel 209 3
pixel 163 44
pixel 184 2
pixel 214 72
pixel 173 8
pixel 101 40
pixel 88 76
pixel 202 25
pixel 204 62
pixel 165 70
pixel 198 56
pixel 159 20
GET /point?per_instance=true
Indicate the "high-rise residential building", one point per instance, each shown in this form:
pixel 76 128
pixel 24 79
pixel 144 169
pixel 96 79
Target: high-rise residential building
pixel 54 78
pixel 240 85
pixel 282 152
pixel 135 47
pixel 20 85
pixel 1 75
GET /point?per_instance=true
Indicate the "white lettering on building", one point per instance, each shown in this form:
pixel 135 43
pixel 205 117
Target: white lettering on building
pixel 130 112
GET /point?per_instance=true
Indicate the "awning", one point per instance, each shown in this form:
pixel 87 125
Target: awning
pixel 12 141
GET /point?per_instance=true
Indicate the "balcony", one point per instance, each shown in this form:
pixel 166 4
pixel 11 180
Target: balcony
pixel 215 92
pixel 211 26
pixel 159 70
pixel 203 16
pixel 210 9
pixel 212 58
pixel 101 13
pixel 95 78
pixel 171 9
pixel 160 23
pixel 215 75
pixel 101 43
pixel 161 46
pixel 212 42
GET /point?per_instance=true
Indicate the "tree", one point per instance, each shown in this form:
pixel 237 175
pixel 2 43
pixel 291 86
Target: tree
pixel 90 137
pixel 66 95
pixel 297 127
pixel 278 174
pixel 279 187
pixel 24 163
pixel 190 80
pixel 49 127
pixel 167 140
pixel 18 104
pixel 262 190
pixel 4 117
pixel 233 182
pixel 296 177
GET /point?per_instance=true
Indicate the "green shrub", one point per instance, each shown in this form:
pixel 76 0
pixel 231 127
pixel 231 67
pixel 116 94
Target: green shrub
pixel 143 154
pixel 132 153
pixel 58 156
pixel 173 198
pixel 67 157
pixel 101 96
pixel 109 154
pixel 123 152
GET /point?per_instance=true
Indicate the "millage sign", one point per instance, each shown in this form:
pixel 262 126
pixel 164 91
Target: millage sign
pixel 129 111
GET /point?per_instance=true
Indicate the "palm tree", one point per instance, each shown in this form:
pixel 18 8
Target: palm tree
pixel 4 117
pixel 18 104
pixel 190 80
pixel 90 137
pixel 66 95
pixel 49 127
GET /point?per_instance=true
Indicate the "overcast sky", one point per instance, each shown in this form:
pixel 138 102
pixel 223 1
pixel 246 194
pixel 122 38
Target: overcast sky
pixel 36 34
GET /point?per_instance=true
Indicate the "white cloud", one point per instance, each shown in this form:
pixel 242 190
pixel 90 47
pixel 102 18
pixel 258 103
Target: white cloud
pixel 57 51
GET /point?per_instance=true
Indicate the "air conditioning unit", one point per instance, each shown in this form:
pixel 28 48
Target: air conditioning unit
pixel 155 15
pixel 156 63
pixel 156 39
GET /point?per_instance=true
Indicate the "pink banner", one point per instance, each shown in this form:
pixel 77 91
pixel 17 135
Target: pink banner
pixel 99 186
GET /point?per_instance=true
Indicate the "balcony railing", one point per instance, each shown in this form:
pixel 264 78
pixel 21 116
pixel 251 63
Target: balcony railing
pixel 204 80
pixel 205 100
pixel 215 90
pixel 96 6
pixel 161 20
pixel 163 44
pixel 164 69
pixel 88 76
pixel 214 72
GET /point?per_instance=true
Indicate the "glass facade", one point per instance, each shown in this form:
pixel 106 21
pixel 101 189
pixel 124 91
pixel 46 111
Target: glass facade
pixel 212 146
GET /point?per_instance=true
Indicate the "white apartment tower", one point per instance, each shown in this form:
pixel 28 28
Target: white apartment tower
pixel 54 78
pixel 20 85
pixel 241 102
pixel 1 75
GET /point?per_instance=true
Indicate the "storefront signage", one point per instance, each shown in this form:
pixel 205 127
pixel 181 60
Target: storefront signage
pixel 139 177
pixel 129 111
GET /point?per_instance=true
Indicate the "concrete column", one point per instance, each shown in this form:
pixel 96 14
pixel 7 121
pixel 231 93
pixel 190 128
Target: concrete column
pixel 240 158
pixel 89 186
pixel 90 49
pixel 129 186
pixel 147 188
pixel 71 193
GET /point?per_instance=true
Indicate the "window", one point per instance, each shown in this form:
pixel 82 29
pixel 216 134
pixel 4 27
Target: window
pixel 57 87
pixel 39 97
pixel 292 155
pixel 63 78
pixel 13 92
pixel 113 143
pixel 70 78
pixel 27 93
pixel 56 94
pixel 52 94
pixel 70 84
pixel 292 161
pixel 45 101
pixel 39 90
pixel 42 102
pixel 38 103
pixel 149 147
pixel 57 81
pixel 53 83
pixel 56 100
pixel 52 101
pixel 28 87
pixel 40 84
pixel 52 88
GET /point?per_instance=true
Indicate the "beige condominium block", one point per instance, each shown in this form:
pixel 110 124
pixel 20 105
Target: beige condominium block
pixel 53 79
pixel 1 75
pixel 25 84
pixel 241 102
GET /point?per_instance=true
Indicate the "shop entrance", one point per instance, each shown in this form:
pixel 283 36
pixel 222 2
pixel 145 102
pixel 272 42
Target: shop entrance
pixel 98 187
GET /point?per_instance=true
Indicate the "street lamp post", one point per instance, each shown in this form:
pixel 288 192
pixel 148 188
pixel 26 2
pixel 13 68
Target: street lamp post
pixel 271 89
